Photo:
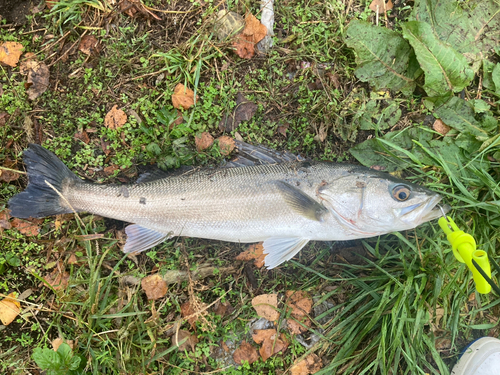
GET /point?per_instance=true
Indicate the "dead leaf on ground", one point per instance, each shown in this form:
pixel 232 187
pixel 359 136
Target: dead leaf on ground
pixel 183 97
pixel 203 141
pixel 115 118
pixel 56 343
pixel 154 286
pixel 309 365
pixel 38 75
pixel 245 352
pixel 9 309
pixel 322 133
pixel 190 343
pixel 259 335
pixel 110 169
pixel 266 306
pixel 10 53
pixel 30 227
pixel 82 136
pixel 301 305
pixel 254 252
pixel 89 45
pixel 4 117
pixel 223 309
pixel 252 34
pixel 272 345
pixel 244 111
pixel 226 144
pixel 441 127
pixel 57 279
pixel 4 219
pixel 283 128
pixel 187 311
pixel 134 7
pixel 7 175
pixel 381 6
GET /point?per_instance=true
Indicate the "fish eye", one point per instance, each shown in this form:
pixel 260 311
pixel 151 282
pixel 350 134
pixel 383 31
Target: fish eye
pixel 401 193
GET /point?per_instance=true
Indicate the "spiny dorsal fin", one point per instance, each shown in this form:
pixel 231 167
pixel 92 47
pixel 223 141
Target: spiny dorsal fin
pixel 300 202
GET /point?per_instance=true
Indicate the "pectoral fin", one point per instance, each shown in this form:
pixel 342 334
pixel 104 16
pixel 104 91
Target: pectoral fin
pixel 300 202
pixel 279 249
pixel 140 238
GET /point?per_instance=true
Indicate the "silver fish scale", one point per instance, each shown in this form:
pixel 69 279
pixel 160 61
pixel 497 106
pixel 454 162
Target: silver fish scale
pixel 234 204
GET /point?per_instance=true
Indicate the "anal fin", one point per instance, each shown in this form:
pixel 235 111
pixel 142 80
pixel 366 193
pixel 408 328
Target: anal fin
pixel 280 249
pixel 140 239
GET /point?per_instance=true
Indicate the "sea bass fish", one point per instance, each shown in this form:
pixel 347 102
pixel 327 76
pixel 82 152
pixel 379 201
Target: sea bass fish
pixel 285 205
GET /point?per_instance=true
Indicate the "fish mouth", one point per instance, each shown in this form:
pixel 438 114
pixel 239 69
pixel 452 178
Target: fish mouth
pixel 423 212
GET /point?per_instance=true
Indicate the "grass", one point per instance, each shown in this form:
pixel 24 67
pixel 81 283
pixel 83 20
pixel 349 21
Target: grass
pixel 401 304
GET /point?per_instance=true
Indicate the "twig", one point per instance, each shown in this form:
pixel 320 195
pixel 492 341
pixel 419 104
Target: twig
pixel 12 170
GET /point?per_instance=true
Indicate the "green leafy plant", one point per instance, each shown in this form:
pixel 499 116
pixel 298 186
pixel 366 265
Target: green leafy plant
pixel 60 362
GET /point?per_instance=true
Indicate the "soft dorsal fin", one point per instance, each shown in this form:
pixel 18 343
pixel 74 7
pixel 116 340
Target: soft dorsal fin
pixel 300 202
pixel 140 239
pixel 279 249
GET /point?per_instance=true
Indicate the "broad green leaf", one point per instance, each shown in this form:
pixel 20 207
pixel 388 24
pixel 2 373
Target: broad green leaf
pixel 470 27
pixel 382 56
pixel 458 114
pixel 488 67
pixel 495 76
pixel 46 358
pixel 65 353
pixel 445 69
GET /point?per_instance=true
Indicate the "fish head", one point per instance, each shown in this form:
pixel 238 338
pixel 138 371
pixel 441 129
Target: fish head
pixel 370 204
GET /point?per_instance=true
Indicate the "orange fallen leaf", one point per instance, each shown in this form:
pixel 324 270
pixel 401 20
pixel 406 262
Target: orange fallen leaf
pixel 252 34
pixel 190 343
pixel 381 6
pixel 254 252
pixel 27 227
pixel 272 345
pixel 441 127
pixel 56 343
pixel 82 136
pixel 226 144
pixel 182 97
pixel 110 169
pixel 203 141
pixel 309 365
pixel 10 53
pixel 50 3
pixel 187 311
pixel 89 45
pixel 301 305
pixel 154 286
pixel 9 309
pixel 57 279
pixel 245 352
pixel 259 335
pixel 115 118
pixel 4 219
pixel 266 306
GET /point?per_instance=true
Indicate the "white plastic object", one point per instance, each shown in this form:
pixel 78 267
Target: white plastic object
pixel 482 357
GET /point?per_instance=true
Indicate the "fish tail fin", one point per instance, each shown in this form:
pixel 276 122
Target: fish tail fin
pixel 40 199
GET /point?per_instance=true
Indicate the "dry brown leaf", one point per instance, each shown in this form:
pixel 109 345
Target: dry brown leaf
pixel 4 219
pixel 82 136
pixel 441 127
pixel 50 3
pixel 72 259
pixel 282 129
pixel 309 365
pixel 6 175
pixel 110 169
pixel 266 306
pixel 190 343
pixel 38 75
pixel 56 343
pixel 27 227
pixel 115 118
pixel 254 252
pixel 252 34
pixel 9 309
pixel 223 309
pixel 245 352
pixel 259 335
pixel 187 311
pixel 301 305
pixel 381 6
pixel 203 141
pixel 4 117
pixel 154 286
pixel 57 279
pixel 273 345
pixel 10 53
pixel 182 97
pixel 226 144
pixel 89 45
pixel 133 7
